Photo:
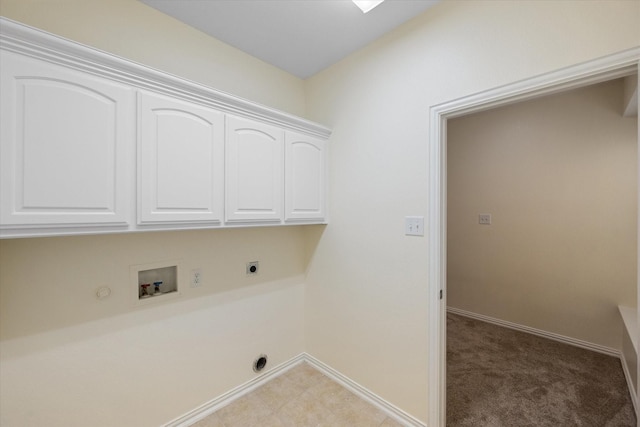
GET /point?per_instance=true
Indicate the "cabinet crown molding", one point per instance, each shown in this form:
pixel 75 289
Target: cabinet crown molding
pixel 39 44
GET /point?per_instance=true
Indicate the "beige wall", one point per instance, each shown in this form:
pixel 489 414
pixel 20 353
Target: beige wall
pixel 69 359
pixel 558 174
pixel 367 282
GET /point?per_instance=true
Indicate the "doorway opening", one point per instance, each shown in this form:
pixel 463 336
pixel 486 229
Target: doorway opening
pixel 603 69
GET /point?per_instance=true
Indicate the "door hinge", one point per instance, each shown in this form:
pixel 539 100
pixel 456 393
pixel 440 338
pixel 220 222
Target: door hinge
pixel 440 293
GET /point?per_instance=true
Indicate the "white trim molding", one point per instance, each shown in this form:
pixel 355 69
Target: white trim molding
pixel 630 321
pixel 538 332
pixel 392 411
pixel 609 67
pixel 632 390
pixel 225 399
pixel 29 41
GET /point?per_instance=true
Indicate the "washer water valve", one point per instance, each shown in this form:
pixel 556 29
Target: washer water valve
pixel 156 287
pixel 145 292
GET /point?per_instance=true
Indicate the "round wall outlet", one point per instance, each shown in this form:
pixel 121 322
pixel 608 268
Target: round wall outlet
pixel 252 268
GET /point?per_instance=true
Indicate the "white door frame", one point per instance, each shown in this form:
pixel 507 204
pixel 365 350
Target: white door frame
pixel 606 68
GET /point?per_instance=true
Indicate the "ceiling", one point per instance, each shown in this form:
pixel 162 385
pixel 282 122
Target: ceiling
pixel 301 37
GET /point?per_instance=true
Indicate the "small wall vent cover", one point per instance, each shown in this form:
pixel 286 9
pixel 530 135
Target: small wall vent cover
pixel 260 363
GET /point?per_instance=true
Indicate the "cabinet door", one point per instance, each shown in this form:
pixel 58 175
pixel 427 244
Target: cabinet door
pixel 181 161
pixel 305 163
pixel 63 146
pixel 254 171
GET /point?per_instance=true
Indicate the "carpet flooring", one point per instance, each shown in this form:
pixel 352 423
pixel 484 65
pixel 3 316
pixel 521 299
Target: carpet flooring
pixel 501 377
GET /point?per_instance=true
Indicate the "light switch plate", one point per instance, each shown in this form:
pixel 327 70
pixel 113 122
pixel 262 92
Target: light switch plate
pixel 484 219
pixel 414 226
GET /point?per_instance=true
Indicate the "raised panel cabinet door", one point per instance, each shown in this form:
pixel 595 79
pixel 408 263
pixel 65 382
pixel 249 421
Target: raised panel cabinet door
pixel 64 141
pixel 254 171
pixel 305 163
pixel 181 161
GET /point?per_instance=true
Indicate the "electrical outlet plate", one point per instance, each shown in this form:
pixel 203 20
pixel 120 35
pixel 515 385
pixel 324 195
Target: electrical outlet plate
pixel 252 268
pixel 484 219
pixel 196 278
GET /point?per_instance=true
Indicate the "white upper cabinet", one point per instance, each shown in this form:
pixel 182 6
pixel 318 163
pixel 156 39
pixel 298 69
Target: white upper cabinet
pixel 180 162
pixel 65 135
pixel 92 143
pixel 305 175
pixel 254 171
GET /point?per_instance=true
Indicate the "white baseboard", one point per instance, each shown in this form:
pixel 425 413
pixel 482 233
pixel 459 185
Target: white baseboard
pixel 539 332
pixel 213 405
pixel 632 390
pixel 392 411
pixel 561 338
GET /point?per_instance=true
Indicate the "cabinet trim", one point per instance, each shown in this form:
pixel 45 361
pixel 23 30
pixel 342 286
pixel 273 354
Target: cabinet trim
pixel 20 38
